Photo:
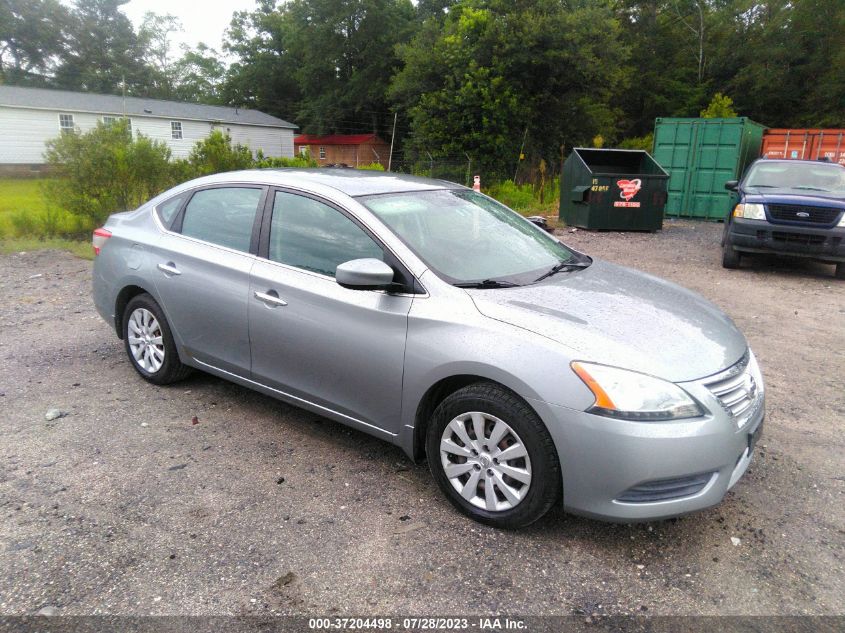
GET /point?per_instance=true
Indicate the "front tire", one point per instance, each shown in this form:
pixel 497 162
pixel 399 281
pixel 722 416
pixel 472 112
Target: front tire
pixel 730 257
pixel 149 342
pixel 493 457
pixel 839 273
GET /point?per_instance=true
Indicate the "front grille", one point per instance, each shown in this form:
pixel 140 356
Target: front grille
pixel 798 238
pixel 665 489
pixel 735 389
pixel 802 213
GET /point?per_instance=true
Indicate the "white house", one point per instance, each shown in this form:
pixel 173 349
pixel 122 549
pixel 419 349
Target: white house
pixel 29 117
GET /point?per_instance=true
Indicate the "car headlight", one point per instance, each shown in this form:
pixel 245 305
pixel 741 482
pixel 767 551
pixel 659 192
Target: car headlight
pixel 629 395
pixel 842 221
pixel 750 211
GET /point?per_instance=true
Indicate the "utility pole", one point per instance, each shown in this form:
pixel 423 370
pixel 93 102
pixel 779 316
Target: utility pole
pixel 392 138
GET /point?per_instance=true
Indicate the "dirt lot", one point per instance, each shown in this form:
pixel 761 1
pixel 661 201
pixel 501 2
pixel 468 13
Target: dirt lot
pixel 126 507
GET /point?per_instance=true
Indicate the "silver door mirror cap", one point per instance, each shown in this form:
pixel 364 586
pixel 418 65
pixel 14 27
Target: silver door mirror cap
pixel 364 274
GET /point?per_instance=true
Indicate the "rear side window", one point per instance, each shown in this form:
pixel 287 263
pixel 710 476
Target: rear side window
pixel 223 216
pixel 167 210
pixel 314 236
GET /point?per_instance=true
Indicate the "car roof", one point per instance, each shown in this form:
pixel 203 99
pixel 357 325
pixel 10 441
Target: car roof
pixel 352 182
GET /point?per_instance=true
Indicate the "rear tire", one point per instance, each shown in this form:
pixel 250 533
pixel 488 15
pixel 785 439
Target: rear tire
pixel 730 257
pixel 839 273
pixel 504 492
pixel 149 342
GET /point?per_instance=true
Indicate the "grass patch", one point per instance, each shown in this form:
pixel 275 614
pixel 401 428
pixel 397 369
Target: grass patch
pixel 25 212
pixel 526 199
pixel 80 248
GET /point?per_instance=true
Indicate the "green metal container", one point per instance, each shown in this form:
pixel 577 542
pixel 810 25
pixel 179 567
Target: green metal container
pixel 700 156
pixel 612 189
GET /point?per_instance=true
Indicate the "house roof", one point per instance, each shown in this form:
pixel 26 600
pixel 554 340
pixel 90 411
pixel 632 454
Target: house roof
pixel 67 101
pixel 336 139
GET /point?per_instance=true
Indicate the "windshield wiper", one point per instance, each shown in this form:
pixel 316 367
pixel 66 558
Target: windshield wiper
pixel 763 186
pixel 810 188
pixel 487 283
pixel 561 266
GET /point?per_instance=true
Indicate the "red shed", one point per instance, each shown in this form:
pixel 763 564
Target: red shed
pixel 351 150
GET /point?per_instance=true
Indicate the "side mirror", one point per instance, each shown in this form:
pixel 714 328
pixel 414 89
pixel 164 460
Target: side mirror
pixel 364 274
pixel 732 185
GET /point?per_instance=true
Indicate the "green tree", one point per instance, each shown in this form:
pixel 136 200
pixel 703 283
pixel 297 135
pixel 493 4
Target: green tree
pixel 154 41
pixel 31 35
pixel 198 75
pixel 498 71
pixel 102 50
pixel 106 170
pixel 720 107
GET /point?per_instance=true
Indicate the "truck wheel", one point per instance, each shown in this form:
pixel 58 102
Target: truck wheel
pixel 840 271
pixel 730 257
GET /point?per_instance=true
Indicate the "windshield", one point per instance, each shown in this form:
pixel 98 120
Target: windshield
pixel 465 236
pixel 818 177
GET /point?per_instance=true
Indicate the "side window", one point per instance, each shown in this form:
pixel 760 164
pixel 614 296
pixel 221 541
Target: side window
pixel 224 216
pixel 167 209
pixel 313 236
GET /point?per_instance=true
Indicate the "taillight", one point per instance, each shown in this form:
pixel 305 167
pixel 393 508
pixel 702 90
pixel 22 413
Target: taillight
pixel 99 239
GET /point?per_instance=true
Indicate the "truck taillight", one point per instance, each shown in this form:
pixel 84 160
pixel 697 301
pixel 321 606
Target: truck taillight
pixel 99 239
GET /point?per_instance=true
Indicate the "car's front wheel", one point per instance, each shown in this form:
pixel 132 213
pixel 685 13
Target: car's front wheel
pixel 730 256
pixel 839 273
pixel 493 457
pixel 149 342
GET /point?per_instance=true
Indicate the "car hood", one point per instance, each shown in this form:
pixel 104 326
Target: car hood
pixel 618 316
pixel 793 196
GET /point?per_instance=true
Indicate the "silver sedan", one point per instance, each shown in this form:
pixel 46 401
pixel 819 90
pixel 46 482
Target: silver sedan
pixel 433 317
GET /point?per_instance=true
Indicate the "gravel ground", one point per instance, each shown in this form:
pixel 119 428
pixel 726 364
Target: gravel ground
pixel 124 506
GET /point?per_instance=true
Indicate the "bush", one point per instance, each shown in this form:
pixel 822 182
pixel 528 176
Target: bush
pixel 301 162
pixel 638 142
pixel 105 170
pixel 215 153
pixel 372 167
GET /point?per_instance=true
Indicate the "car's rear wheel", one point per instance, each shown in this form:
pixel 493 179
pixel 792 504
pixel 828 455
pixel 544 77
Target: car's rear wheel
pixel 730 256
pixel 149 342
pixel 839 273
pixel 493 457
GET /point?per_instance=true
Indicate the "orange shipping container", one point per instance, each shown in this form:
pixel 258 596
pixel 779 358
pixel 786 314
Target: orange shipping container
pixel 805 144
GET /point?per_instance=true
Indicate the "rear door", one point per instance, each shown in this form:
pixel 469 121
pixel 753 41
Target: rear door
pixel 339 349
pixel 202 273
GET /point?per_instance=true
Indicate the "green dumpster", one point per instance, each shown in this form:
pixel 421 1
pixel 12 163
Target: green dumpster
pixel 701 155
pixel 612 189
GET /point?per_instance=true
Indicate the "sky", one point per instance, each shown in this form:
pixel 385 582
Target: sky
pixel 201 21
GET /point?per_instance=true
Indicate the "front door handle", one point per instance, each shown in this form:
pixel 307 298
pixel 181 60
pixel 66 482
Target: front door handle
pixel 169 269
pixel 270 299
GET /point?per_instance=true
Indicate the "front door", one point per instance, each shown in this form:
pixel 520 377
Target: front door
pixel 339 349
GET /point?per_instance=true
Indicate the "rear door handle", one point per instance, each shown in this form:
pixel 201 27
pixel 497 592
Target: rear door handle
pixel 270 299
pixel 169 268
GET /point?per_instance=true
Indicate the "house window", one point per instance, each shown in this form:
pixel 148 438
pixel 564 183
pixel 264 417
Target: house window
pixel 66 122
pixel 176 130
pixel 111 120
pixel 322 153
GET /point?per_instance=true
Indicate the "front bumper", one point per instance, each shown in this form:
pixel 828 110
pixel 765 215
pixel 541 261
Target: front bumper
pixel 605 461
pixel 762 236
